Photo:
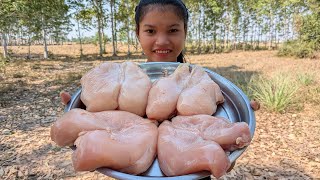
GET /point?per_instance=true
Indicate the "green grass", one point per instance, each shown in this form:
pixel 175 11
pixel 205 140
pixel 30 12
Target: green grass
pixel 276 93
pixel 306 78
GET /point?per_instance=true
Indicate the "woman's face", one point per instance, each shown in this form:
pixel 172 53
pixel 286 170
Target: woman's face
pixel 161 35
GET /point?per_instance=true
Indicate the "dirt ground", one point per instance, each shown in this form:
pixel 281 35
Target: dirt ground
pixel 285 146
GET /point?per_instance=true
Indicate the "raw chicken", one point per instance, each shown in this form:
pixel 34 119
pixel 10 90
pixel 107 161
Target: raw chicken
pixel 164 94
pixel 135 87
pixel 116 139
pixel 101 87
pixel 200 96
pixel 181 151
pixel 113 86
pixel 230 136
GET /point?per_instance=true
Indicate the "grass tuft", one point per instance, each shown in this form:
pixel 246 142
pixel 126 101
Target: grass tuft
pixel 276 93
pixel 306 78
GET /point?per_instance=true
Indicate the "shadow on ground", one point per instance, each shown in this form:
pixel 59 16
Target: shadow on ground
pixel 237 75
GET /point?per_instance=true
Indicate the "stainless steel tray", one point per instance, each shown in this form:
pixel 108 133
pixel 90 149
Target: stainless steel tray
pixel 236 108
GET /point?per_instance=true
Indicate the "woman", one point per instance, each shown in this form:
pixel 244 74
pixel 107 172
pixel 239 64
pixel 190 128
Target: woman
pixel 161 27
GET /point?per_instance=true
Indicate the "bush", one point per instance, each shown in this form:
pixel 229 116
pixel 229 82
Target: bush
pixel 3 64
pixel 276 93
pixel 304 51
pixel 287 49
pixel 297 49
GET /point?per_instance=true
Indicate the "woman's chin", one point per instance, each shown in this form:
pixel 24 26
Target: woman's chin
pixel 162 60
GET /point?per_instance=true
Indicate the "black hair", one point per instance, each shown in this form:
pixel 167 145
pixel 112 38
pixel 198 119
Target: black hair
pixel 179 6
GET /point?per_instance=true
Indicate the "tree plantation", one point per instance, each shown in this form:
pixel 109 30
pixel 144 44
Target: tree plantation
pixel 269 49
pixel 214 26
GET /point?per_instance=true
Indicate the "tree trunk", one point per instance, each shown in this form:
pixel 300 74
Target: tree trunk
pixel 114 53
pixel 199 32
pixel 227 31
pixel 259 37
pixel 99 36
pixel 5 45
pixel 136 43
pixel 253 32
pixel 235 38
pixel 270 31
pixel 275 37
pixel 128 28
pixel 214 37
pixel 244 29
pixel 80 40
pixel 44 34
pixel 103 39
pixel 29 47
pixel 45 46
pixel 102 28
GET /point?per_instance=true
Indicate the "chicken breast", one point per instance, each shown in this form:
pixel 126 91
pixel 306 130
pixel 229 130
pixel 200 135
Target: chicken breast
pixel 112 86
pixel 116 139
pixel 101 87
pixel 164 94
pixel 200 96
pixel 129 150
pixel 135 87
pixel 230 136
pixel 181 152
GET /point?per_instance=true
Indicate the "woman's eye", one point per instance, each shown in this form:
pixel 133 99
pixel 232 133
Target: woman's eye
pixel 174 30
pixel 150 31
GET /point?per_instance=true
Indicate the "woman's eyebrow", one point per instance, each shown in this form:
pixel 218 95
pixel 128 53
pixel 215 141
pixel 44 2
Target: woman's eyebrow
pixel 170 26
pixel 173 25
pixel 148 25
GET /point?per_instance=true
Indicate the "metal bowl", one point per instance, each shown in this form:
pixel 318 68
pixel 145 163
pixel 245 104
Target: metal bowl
pixel 236 108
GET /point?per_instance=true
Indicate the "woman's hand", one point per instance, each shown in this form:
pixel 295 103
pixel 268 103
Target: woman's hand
pixel 65 97
pixel 255 105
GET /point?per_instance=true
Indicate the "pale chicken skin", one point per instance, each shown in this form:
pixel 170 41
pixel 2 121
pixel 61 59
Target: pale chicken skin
pixel 181 152
pixel 113 86
pixel 101 87
pixel 230 136
pixel 201 95
pixel 135 87
pixel 164 94
pixel 116 139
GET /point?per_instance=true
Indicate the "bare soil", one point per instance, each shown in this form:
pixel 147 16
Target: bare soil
pixel 285 146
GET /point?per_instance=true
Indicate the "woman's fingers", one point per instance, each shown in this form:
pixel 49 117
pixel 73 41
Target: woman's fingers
pixel 255 105
pixel 65 97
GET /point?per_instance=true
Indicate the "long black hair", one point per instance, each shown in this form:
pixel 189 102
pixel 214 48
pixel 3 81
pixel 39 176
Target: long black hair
pixel 180 9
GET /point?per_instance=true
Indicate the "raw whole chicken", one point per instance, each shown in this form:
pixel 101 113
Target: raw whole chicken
pixel 181 151
pixel 230 136
pixel 113 86
pixel 200 96
pixel 164 94
pixel 116 139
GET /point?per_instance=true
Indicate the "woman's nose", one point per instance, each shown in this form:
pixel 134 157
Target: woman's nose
pixel 162 39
